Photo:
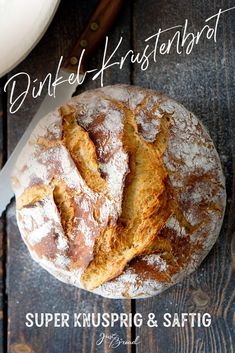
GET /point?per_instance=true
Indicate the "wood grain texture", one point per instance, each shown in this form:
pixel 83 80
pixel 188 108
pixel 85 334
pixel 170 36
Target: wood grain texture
pixel 2 225
pixel 30 288
pixel 204 82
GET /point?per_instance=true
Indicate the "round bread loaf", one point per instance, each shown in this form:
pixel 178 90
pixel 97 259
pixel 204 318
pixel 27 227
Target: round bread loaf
pixel 120 191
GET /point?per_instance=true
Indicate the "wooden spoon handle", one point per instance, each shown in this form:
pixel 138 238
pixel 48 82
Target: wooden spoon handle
pixel 96 29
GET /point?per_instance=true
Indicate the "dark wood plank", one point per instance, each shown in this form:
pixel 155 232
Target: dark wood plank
pixel 204 82
pixel 3 303
pixel 30 288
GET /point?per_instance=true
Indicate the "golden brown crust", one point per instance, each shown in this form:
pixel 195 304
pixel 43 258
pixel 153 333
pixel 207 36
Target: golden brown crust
pixel 130 190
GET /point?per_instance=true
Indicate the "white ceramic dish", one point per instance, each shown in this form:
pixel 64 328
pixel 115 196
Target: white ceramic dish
pixel 22 24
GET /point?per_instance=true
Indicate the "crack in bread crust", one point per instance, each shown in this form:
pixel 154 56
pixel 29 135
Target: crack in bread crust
pixel 148 202
pixel 64 200
pixel 32 195
pixel 62 195
pixel 82 150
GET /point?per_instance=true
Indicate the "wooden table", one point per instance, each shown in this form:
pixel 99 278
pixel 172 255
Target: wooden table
pixel 204 82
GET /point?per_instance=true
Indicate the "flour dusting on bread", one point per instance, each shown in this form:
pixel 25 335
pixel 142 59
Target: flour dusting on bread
pixel 120 191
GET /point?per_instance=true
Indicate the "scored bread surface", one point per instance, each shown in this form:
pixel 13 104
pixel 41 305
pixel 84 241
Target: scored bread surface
pixel 120 191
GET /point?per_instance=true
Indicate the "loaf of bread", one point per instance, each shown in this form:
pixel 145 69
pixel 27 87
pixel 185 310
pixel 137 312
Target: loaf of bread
pixel 120 191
